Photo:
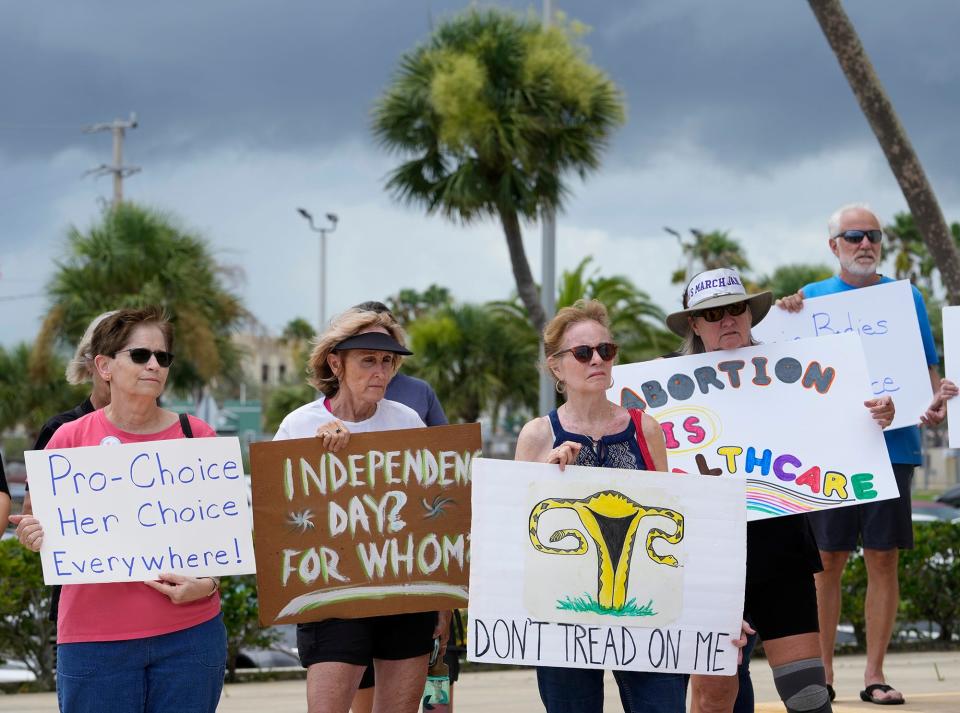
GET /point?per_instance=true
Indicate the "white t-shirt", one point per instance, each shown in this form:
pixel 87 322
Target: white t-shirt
pixel 304 421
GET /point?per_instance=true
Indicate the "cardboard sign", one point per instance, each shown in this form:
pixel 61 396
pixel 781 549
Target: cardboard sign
pixel 123 513
pixel 380 527
pixel 885 318
pixel 788 416
pixel 606 568
pixel 951 367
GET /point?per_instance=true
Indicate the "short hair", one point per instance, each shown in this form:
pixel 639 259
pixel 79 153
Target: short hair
pixel 79 370
pixel 373 306
pixel 833 223
pixel 353 321
pixel 581 311
pixel 113 333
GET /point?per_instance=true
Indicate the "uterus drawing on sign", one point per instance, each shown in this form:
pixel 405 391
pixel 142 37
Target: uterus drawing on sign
pixel 600 556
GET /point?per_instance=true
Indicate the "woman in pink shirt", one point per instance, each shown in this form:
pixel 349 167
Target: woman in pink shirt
pixel 135 647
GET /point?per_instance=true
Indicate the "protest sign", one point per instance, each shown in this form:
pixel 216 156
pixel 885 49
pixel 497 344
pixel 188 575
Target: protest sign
pixel 123 513
pixel 605 568
pixel 379 527
pixel 951 368
pixel 885 318
pixel 788 416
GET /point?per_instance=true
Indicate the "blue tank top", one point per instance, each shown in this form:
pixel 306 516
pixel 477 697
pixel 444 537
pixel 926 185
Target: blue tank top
pixel 618 450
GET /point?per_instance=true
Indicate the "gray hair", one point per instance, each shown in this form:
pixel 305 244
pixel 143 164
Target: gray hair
pixel 833 223
pixel 78 368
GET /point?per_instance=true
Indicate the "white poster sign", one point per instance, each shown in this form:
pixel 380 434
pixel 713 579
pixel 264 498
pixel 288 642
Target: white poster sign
pixel 885 318
pixel 605 568
pixel 951 366
pixel 121 513
pixel 788 416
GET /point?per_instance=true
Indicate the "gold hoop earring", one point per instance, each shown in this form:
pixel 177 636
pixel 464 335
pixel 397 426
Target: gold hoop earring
pixel 560 386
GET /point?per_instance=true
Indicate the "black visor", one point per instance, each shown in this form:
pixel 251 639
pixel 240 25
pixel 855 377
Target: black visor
pixel 373 340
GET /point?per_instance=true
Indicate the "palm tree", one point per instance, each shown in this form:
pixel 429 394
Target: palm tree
pixel 491 113
pixel 708 251
pixel 787 279
pixel 28 397
pixel 892 137
pixel 136 256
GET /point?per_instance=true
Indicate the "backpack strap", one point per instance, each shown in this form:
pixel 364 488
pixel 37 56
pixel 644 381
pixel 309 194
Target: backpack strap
pixel 188 431
pixel 637 416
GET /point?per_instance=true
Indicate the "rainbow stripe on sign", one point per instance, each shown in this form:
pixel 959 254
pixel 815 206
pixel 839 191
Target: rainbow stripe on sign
pixel 774 499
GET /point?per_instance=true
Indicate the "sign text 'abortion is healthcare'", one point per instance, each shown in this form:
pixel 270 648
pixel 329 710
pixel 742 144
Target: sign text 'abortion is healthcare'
pixel 789 416
pixel 121 513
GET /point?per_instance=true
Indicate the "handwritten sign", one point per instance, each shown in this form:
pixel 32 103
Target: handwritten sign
pixel 788 416
pixel 380 527
pixel 951 366
pixel 606 568
pixel 885 318
pixel 122 513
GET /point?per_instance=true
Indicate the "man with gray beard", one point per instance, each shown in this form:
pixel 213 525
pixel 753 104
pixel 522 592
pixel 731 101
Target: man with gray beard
pixel 884 527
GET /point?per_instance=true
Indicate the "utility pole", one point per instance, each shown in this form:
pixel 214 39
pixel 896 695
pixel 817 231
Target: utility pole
pixel 548 279
pixel 332 217
pixel 118 128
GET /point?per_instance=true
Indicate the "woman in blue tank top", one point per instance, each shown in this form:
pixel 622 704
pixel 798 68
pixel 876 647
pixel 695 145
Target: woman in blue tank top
pixel 591 430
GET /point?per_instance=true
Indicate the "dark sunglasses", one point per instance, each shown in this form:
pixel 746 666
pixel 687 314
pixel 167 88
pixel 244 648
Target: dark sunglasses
pixel 584 353
pixel 715 314
pixel 857 236
pixel 141 355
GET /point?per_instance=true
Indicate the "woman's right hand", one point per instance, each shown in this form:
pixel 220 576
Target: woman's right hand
pixel 29 531
pixel 334 435
pixel 565 454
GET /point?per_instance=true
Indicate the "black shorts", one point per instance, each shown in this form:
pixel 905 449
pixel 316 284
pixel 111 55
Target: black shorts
pixel 359 641
pixel 784 605
pixel 885 525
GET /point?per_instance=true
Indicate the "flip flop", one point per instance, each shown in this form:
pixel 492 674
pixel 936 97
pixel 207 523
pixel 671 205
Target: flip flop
pixel 866 695
pixel 831 693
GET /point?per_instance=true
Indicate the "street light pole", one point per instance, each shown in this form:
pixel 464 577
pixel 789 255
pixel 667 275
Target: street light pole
pixel 332 217
pixel 548 280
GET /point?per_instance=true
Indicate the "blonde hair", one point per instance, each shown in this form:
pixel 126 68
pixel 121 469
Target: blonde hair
pixel 581 311
pixel 79 368
pixel 351 322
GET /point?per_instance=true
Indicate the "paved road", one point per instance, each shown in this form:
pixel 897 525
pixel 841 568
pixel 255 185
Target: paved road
pixel 930 682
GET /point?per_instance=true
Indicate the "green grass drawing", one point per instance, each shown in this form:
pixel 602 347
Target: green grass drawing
pixel 586 603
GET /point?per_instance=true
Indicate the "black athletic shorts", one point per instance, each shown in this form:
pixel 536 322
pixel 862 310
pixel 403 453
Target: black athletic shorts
pixel 784 605
pixel 358 641
pixel 451 658
pixel 885 525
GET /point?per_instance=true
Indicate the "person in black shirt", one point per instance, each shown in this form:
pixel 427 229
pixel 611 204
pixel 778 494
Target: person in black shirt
pixel 4 498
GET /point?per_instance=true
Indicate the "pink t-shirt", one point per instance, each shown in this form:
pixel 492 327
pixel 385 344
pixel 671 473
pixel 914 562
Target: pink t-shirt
pixel 123 610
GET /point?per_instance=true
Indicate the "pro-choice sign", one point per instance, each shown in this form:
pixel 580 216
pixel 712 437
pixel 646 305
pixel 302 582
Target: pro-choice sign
pixel 789 417
pixel 380 527
pixel 605 568
pixel 120 513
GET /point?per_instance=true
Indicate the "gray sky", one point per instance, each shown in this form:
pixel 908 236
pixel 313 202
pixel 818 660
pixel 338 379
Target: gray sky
pixel 738 119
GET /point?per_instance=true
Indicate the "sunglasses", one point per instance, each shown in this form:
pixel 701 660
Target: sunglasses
pixel 715 314
pixel 584 353
pixel 141 355
pixel 857 236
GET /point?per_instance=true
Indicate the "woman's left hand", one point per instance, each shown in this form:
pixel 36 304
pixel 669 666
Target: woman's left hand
pixel 181 589
pixel 745 631
pixel 938 407
pixel 882 410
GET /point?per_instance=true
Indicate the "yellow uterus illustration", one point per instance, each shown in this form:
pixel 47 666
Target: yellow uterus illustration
pixel 612 520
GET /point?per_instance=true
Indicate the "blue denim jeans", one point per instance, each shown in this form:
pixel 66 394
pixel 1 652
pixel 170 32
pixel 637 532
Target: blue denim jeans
pixel 181 671
pixel 580 690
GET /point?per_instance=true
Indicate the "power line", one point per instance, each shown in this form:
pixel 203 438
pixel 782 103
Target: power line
pixel 117 127
pixel 11 298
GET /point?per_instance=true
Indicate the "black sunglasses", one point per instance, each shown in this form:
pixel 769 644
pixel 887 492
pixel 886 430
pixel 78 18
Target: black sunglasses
pixel 141 355
pixel 584 353
pixel 715 314
pixel 857 236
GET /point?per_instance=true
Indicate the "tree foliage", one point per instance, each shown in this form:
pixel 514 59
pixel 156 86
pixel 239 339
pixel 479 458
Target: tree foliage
pixel 135 256
pixel 490 113
pixel 238 600
pixel 409 304
pixel 29 397
pixel 25 630
pixel 708 251
pixel 788 279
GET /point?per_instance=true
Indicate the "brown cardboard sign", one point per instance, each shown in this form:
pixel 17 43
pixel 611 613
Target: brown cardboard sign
pixel 379 527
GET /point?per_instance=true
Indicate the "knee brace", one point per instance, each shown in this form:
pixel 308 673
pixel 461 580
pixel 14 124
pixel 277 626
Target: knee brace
pixel 802 686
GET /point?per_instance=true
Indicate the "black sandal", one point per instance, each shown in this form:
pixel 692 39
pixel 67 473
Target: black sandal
pixel 866 695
